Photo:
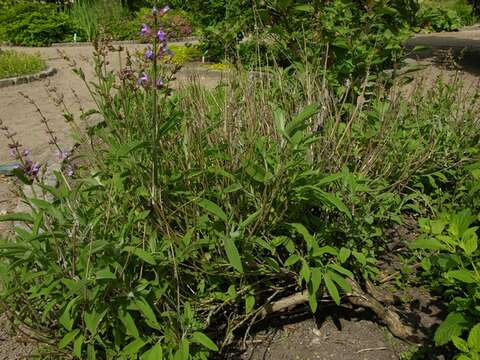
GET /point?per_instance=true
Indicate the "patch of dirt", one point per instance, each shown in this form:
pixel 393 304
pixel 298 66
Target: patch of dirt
pixel 13 347
pixel 345 334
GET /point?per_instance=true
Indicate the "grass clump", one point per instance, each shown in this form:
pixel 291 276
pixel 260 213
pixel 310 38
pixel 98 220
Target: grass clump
pixel 15 64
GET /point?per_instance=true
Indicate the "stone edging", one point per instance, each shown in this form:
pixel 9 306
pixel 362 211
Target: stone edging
pixel 126 42
pixel 27 78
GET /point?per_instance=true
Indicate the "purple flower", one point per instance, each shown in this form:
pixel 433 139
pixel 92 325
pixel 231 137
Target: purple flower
pixel 62 155
pixel 164 10
pixel 145 30
pixel 69 171
pixel 161 36
pixel 12 153
pixel 143 79
pixel 149 53
pixel 31 168
pixel 25 152
pixel 159 84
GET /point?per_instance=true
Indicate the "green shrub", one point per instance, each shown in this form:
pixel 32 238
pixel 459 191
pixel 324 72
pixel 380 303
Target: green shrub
pixel 348 37
pixel 445 16
pixel 451 265
pixel 34 24
pixel 15 64
pixel 193 210
pixel 92 17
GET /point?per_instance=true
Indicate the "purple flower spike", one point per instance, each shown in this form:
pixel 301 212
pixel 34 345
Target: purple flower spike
pixel 164 10
pixel 161 36
pixel 143 79
pixel 145 30
pixel 149 53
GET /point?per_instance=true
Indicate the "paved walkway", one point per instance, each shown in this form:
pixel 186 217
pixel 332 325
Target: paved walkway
pixel 468 38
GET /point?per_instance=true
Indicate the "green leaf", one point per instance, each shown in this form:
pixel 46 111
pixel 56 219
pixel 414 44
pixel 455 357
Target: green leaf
pixel 77 346
pixel 91 354
pixel 341 282
pixel 331 288
pixel 129 323
pixel 302 230
pixel 93 319
pixel 141 254
pixel 316 279
pixel 183 353
pixel 147 311
pixel 233 255
pixel 335 201
pixel 325 250
pixel 427 244
pixel 312 301
pixel 341 270
pixel 292 260
pixel 465 276
pixel 134 347
pixel 23 217
pixel 66 319
pixel 344 254
pixel 298 123
pixel 305 8
pixel 105 274
pixel 305 272
pixel 67 339
pixel 474 338
pixel 155 353
pixel 249 303
pixel 460 344
pixel 214 209
pixel 204 340
pixel 452 326
pixel 250 219
pixel 437 226
pixel 41 204
pixel 20 174
pixel 470 240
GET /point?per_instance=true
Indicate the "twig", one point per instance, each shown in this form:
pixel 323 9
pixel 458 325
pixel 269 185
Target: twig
pixel 372 349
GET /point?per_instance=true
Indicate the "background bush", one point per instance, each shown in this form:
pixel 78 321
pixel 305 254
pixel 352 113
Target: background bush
pixel 34 24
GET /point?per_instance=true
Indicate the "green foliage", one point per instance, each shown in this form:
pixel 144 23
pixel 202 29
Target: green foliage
pixel 453 262
pixel 92 17
pixel 350 38
pixel 15 64
pixel 445 15
pixel 34 24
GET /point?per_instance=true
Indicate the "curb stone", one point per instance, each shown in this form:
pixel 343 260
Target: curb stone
pixel 27 78
pixel 125 42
